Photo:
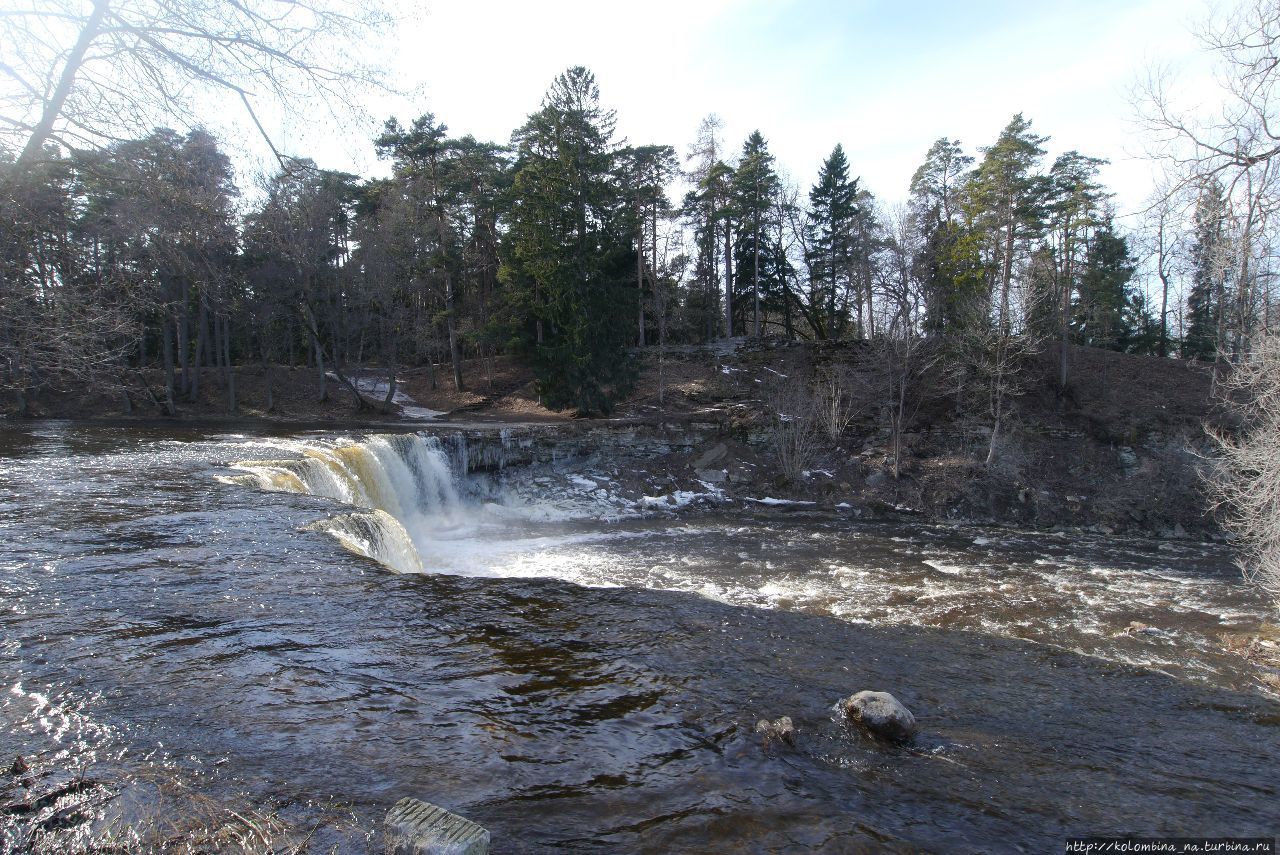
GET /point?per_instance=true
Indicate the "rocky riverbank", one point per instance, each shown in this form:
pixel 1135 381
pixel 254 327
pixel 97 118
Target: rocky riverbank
pixel 1124 451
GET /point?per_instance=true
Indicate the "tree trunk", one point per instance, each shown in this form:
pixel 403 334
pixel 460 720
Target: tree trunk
pixel 995 430
pixel 202 347
pixel 640 271
pixel 451 326
pixel 389 399
pixel 229 372
pixel 728 280
pixel 166 336
pixel 184 343
pixel 317 350
pixel 755 280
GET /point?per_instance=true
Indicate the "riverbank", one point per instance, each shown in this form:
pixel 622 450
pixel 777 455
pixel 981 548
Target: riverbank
pixel 1124 452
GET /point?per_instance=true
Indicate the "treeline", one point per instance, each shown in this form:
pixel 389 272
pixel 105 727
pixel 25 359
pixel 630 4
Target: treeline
pixel 137 265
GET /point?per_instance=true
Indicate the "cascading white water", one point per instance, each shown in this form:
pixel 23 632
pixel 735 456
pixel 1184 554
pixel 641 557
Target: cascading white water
pixel 405 482
pixel 375 534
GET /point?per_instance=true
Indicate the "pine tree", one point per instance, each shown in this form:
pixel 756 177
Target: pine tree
pixel 645 172
pixel 1074 213
pixel 1005 203
pixel 571 249
pixel 937 188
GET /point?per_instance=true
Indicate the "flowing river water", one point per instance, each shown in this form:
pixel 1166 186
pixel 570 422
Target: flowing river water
pixel 316 619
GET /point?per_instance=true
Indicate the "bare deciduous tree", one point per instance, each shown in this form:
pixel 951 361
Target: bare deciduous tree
pixel 1235 145
pixel 793 408
pixel 1247 481
pixel 83 72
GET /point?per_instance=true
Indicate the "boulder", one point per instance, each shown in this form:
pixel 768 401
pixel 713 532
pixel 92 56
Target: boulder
pixel 711 455
pixel 1128 459
pixel 779 728
pixel 881 714
pixel 415 827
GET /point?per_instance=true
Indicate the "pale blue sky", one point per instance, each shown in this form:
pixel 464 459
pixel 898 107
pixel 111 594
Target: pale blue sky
pixel 885 79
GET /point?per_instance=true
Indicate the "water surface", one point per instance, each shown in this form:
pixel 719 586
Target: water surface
pixel 579 678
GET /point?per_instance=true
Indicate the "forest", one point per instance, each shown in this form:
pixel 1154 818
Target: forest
pixel 141 265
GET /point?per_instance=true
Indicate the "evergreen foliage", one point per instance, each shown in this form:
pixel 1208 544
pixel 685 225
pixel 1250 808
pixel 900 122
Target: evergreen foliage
pixel 571 252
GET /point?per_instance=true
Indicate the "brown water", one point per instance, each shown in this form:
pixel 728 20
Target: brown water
pixel 153 612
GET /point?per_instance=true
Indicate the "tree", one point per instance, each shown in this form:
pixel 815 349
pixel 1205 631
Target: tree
pixel 1203 336
pixel 1073 206
pixel 833 207
pixel 83 72
pixel 422 157
pixel 951 280
pixel 63 318
pixel 1247 481
pixel 1005 203
pixel 755 184
pixel 1230 150
pixel 709 208
pixel 646 172
pixel 571 248
pixel 904 355
pixel 297 245
pixel 1105 314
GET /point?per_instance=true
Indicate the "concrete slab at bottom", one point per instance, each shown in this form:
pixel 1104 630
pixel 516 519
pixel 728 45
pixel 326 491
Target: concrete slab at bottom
pixel 416 827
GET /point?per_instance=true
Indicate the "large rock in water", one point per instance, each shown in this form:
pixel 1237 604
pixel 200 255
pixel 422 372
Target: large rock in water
pixel 415 827
pixel 880 713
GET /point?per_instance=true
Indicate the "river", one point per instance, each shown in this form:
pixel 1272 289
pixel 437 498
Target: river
pixel 582 671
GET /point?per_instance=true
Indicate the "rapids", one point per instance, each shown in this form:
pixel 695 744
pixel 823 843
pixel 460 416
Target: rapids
pixel 578 663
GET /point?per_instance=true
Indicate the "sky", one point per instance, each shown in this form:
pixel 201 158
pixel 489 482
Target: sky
pixel 884 79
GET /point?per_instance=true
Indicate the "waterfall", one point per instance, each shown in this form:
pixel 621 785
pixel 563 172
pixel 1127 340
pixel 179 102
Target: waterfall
pixel 375 534
pixel 405 484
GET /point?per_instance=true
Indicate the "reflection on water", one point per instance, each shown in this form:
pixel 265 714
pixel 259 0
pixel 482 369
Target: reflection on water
pixel 151 609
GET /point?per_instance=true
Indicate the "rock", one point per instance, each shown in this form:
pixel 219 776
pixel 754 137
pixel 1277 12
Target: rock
pixel 1137 626
pixel 779 728
pixel 880 713
pixel 711 455
pixel 875 479
pixel 712 476
pixel 1128 460
pixel 415 827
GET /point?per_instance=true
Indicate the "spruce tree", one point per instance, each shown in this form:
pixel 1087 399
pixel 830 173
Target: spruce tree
pixel 1103 315
pixel 1204 301
pixel 571 253
pixel 755 186
pixel 832 212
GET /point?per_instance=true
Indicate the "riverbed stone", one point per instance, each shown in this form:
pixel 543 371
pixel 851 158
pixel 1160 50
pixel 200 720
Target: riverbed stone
pixel 881 714
pixel 1128 460
pixel 780 728
pixel 415 827
pixel 711 456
